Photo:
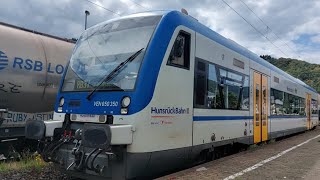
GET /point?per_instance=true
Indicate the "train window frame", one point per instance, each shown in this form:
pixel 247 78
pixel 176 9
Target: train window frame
pixel 314 103
pixel 245 79
pixel 64 74
pixel 287 96
pixel 227 71
pixel 273 105
pixel 200 73
pixel 186 51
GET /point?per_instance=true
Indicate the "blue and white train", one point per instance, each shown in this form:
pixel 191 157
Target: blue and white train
pixel 151 92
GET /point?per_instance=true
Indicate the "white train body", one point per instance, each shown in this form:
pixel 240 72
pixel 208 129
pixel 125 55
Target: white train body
pixel 190 96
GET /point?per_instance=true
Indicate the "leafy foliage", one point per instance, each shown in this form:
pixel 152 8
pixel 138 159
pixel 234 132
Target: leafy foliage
pixel 307 72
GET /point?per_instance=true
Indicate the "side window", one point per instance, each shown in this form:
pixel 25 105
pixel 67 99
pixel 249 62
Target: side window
pixel 287 104
pixel 233 86
pixel 245 94
pixel 200 85
pixel 314 106
pixel 276 102
pixel 283 103
pixel 213 99
pixel 180 52
pixel 302 106
pixel 219 88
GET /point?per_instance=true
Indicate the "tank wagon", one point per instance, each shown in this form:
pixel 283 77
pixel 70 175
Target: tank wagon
pixel 151 92
pixel 31 67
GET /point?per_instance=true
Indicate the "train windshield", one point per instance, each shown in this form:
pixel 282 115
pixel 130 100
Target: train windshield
pixel 101 49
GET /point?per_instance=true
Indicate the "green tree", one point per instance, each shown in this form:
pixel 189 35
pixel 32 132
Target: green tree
pixel 306 72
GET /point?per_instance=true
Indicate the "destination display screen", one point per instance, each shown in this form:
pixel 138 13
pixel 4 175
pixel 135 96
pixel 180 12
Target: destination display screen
pixel 81 85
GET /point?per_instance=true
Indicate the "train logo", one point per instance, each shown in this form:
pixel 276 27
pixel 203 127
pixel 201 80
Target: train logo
pixel 3 60
pixel 19 63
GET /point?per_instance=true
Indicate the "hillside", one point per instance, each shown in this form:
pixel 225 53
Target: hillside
pixel 307 72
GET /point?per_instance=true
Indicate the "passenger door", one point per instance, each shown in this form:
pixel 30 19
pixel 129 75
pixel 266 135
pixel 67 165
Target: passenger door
pixel 308 110
pixel 260 107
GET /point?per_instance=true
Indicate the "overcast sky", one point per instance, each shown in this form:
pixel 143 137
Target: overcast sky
pixel 292 25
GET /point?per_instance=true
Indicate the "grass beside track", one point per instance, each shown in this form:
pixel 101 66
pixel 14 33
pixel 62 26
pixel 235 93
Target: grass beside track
pixel 33 162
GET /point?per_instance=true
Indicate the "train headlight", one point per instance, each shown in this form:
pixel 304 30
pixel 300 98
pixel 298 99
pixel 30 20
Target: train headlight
pixel 61 102
pixel 126 101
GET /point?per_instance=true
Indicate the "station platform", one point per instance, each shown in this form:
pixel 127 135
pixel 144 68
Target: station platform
pixel 295 157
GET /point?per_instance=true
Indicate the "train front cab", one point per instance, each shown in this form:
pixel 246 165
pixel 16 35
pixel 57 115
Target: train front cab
pixel 99 133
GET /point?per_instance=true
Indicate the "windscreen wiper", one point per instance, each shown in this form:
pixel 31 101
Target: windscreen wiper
pixel 111 75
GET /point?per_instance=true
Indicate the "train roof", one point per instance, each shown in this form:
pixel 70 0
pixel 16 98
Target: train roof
pixel 39 33
pixel 193 23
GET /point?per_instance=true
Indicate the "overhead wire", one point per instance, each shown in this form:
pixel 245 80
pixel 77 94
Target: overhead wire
pixel 268 27
pixel 103 7
pixel 262 34
pixel 266 37
pixel 138 4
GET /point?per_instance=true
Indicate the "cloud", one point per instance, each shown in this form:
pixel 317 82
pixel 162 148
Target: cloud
pixel 316 38
pixel 287 20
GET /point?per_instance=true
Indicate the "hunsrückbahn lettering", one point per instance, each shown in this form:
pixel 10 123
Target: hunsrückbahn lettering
pixel 169 110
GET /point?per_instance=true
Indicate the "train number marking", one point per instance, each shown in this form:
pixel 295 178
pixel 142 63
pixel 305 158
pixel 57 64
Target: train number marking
pixel 105 103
